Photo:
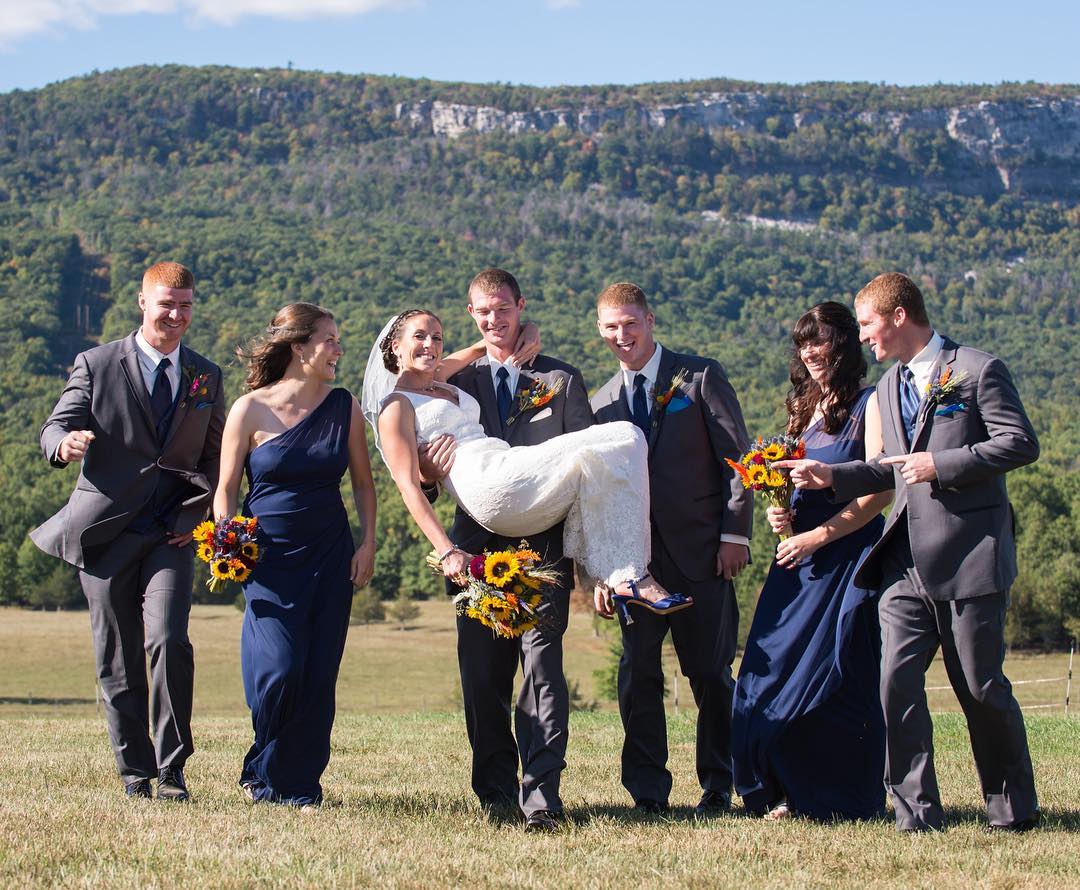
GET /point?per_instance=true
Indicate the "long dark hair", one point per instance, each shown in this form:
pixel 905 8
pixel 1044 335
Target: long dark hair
pixel 832 325
pixel 268 355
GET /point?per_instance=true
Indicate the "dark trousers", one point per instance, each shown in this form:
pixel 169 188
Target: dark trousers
pixel 705 637
pixel 969 633
pixel 139 592
pixel 488 666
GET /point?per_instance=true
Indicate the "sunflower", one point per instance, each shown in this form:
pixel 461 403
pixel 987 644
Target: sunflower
pixel 219 570
pixel 238 570
pixel 757 475
pixel 204 532
pixel 205 552
pixel 773 451
pixel 775 479
pixel 250 550
pixel 501 568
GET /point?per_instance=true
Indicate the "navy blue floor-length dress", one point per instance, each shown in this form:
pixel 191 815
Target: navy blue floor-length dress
pixel 298 601
pixel 807 723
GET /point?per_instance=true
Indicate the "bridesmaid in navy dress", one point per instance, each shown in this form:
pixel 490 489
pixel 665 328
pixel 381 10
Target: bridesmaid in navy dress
pixel 297 435
pixel 807 734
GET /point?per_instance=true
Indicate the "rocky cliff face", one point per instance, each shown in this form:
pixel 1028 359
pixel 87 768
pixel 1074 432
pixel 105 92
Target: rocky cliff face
pixel 1032 145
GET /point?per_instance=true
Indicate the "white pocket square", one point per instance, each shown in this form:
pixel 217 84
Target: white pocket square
pixel 540 415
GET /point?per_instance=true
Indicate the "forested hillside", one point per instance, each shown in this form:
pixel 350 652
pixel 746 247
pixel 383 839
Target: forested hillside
pixel 736 206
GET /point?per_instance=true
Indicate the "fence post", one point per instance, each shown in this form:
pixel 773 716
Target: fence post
pixel 1068 676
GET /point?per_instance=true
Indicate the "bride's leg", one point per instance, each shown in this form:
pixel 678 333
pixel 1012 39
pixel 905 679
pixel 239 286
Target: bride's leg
pixel 608 528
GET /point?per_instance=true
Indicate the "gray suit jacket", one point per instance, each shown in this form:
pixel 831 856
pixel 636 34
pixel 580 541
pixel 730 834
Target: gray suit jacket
pixel 106 394
pixel 566 413
pixel 960 526
pixel 695 496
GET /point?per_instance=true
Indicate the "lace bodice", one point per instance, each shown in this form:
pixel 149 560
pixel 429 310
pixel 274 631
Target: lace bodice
pixel 435 416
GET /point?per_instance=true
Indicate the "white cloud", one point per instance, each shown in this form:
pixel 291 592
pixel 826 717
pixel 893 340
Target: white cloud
pixel 22 18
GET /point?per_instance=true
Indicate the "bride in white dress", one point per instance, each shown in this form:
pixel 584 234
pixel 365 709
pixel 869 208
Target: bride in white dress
pixel 597 479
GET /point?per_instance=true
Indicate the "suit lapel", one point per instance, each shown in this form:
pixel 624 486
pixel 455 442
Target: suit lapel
pixel 526 378
pixel 891 390
pixel 187 360
pixel 616 393
pixel 924 423
pixel 129 359
pixel 485 395
pixel 664 376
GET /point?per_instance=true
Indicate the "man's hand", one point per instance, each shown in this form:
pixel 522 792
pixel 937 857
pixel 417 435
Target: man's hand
pixel 528 345
pixel 74 445
pixel 436 458
pixel 916 467
pixel 180 540
pixel 811 474
pixel 602 601
pixel 731 559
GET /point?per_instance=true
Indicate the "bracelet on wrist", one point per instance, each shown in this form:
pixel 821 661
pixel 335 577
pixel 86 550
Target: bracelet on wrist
pixel 448 552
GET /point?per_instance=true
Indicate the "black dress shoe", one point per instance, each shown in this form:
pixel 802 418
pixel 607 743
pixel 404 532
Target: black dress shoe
pixel 712 803
pixel 543 820
pixel 651 807
pixel 1018 827
pixel 138 788
pixel 170 784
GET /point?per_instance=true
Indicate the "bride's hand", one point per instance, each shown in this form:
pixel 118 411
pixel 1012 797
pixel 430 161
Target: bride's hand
pixel 528 345
pixel 456 566
pixel 602 601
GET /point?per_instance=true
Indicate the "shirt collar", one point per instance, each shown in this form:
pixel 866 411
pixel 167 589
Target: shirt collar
pixel 651 370
pixel 511 369
pixel 922 365
pixel 154 356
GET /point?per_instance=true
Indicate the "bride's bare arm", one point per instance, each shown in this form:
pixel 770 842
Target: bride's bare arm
pixel 397 436
pixel 526 349
pixel 234 448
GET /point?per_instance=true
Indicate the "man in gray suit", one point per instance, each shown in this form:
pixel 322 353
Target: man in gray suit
pixel 144 417
pixel 488 664
pixel 701 522
pixel 953 425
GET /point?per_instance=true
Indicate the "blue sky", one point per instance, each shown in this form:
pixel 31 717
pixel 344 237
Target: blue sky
pixel 554 41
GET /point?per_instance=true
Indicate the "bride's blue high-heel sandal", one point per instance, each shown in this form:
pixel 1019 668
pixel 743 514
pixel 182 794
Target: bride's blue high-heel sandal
pixel 673 602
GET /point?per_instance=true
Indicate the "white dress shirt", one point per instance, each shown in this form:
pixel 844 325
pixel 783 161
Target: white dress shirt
pixel 511 381
pixel 150 358
pixel 651 370
pixel 922 366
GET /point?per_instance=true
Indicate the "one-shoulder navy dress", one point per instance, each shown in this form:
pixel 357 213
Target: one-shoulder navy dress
pixel 298 602
pixel 807 724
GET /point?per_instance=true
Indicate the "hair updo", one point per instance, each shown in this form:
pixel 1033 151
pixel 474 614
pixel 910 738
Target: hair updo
pixel 267 356
pixel 387 343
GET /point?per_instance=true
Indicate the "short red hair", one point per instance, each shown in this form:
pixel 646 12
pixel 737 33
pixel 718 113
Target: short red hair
pixel 171 275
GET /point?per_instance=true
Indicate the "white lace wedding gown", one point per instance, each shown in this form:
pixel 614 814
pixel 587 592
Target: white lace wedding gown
pixel 597 479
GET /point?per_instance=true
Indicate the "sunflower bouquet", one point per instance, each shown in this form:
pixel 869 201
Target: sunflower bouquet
pixel 755 469
pixel 503 590
pixel 229 546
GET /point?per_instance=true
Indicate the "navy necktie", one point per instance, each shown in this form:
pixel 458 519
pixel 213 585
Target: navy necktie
pixel 641 403
pixel 909 401
pixel 502 395
pixel 161 397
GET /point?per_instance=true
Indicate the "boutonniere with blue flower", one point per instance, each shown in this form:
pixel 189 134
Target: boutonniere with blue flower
pixel 662 400
pixel 944 392
pixel 536 396
pixel 196 384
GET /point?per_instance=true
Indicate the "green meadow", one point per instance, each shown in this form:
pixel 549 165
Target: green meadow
pixel 399 811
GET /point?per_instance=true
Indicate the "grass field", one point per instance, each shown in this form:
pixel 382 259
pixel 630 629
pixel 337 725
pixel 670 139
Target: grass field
pixel 400 813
